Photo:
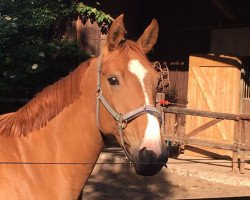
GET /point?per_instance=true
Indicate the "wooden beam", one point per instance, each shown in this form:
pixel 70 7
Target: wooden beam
pixel 242 141
pixel 203 127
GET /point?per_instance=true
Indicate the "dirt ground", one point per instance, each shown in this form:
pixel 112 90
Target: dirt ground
pixel 119 181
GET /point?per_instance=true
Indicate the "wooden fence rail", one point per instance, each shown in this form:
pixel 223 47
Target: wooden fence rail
pixel 207 143
pixel 217 115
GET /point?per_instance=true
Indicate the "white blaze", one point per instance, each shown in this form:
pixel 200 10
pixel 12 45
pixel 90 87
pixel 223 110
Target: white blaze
pixel 152 136
pixel 136 68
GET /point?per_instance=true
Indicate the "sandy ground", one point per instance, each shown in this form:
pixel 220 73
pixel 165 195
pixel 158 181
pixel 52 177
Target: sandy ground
pixel 119 181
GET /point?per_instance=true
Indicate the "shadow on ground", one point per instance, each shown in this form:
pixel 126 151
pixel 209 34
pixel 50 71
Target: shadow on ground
pixel 119 181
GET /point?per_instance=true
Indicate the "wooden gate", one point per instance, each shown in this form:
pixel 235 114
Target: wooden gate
pixel 214 85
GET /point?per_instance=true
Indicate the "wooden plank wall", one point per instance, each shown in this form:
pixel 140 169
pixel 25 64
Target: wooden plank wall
pixel 178 74
pixel 179 85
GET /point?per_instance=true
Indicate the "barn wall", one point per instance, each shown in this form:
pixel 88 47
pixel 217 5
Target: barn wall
pixel 178 74
pixel 233 41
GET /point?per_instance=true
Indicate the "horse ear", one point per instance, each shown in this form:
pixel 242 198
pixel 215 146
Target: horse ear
pixel 149 36
pixel 116 33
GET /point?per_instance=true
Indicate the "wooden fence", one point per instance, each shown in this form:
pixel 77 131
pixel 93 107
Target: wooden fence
pixel 238 147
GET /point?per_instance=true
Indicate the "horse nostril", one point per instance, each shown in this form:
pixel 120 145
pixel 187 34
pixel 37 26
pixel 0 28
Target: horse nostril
pixel 146 155
pixel 142 154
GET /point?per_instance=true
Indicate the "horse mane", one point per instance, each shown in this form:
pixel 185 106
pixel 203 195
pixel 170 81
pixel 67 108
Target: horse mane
pixel 45 105
pixel 54 98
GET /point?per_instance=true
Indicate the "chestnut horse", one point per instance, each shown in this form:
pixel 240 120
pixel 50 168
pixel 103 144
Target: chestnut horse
pixel 49 147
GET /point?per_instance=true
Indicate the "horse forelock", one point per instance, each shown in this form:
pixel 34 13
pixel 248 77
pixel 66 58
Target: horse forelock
pixel 123 52
pixel 45 105
pixel 124 49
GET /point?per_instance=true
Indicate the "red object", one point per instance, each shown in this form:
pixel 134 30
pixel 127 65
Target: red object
pixel 164 102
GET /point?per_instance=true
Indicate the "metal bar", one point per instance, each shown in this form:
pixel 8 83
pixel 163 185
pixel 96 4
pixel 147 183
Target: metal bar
pixel 209 114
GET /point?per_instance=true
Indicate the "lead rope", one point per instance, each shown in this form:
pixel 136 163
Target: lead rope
pixel 127 155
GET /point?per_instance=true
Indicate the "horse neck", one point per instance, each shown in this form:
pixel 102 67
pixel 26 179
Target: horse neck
pixel 77 133
pixel 82 117
pixel 72 136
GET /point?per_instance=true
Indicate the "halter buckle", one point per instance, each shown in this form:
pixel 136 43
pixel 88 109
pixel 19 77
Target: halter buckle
pixel 122 124
pixel 98 90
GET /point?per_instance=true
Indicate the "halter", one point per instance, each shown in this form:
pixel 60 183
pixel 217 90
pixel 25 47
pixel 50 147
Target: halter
pixel 121 119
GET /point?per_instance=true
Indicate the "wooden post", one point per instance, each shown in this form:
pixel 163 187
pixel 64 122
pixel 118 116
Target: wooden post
pixel 161 96
pixel 243 142
pixel 235 141
pixel 180 129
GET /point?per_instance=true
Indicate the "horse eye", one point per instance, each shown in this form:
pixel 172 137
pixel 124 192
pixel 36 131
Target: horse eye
pixel 113 80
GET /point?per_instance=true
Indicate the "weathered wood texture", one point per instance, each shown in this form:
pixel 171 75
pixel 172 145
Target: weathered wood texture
pixel 214 85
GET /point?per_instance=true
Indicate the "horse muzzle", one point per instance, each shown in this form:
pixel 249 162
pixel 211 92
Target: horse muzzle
pixel 148 163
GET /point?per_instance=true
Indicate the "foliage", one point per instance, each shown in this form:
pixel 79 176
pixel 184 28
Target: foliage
pixel 88 12
pixel 32 53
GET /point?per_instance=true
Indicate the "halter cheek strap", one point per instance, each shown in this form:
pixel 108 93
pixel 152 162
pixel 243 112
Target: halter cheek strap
pixel 121 119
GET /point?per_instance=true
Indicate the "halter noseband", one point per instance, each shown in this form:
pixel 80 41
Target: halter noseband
pixel 121 119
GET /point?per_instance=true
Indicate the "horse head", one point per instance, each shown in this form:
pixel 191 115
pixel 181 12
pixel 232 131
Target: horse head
pixel 127 86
